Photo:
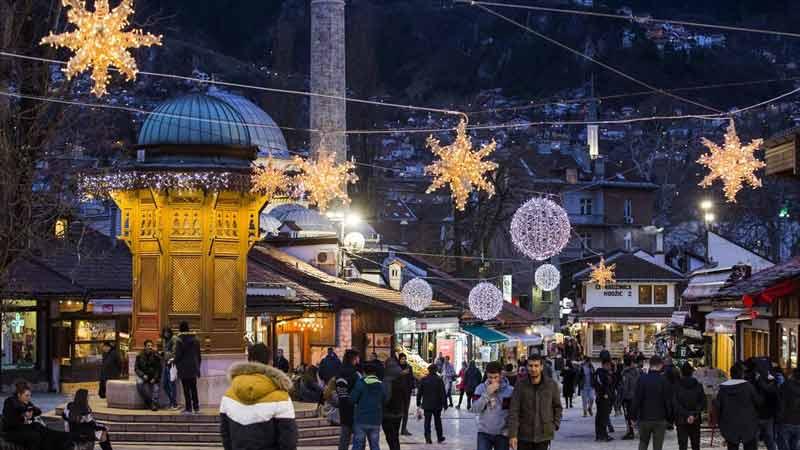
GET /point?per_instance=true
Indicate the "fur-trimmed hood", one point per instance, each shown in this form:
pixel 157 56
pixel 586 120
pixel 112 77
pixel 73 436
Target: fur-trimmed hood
pixel 258 393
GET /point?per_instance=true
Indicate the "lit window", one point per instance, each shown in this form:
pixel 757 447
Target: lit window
pixel 660 294
pixel 645 294
pixel 19 339
pixel 61 228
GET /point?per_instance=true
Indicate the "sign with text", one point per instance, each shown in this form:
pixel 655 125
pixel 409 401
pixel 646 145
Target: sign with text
pixel 616 290
pixel 507 288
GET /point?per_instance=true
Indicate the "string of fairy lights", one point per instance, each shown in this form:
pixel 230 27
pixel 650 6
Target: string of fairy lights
pixel 540 228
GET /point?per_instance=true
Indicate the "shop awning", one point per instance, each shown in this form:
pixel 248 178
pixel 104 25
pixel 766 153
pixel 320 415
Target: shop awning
pixel 487 335
pixel 724 320
pixel 524 338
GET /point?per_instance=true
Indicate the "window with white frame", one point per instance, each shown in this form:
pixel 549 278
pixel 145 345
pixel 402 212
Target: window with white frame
pixel 586 206
pixel 628 208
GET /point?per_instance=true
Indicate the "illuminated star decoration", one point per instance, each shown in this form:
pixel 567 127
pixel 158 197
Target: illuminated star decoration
pixel 324 180
pixel 268 180
pixel 602 274
pixel 733 163
pixel 100 41
pixel 460 167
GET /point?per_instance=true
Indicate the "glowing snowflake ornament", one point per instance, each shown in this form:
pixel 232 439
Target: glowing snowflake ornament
pixel 602 274
pixel 485 301
pixel 324 180
pixel 547 277
pixel 269 180
pixel 417 294
pixel 100 41
pixel 540 228
pixel 459 167
pixel 733 163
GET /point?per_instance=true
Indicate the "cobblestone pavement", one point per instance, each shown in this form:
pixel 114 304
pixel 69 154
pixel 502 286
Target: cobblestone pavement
pixel 576 433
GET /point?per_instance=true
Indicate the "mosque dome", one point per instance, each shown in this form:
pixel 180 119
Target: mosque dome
pixel 195 119
pixel 308 220
pixel 264 132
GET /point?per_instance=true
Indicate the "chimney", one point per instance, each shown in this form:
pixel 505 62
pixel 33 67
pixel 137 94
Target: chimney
pixel 599 168
pixel 328 77
pixel 659 252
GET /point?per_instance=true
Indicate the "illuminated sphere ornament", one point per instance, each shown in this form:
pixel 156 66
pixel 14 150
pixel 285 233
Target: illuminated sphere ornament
pixel 417 294
pixel 485 301
pixel 547 277
pixel 540 228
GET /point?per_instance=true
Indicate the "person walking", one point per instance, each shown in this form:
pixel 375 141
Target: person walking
pixel 473 379
pixel 187 361
pixel 368 397
pixel 690 402
pixel 789 411
pixel 168 344
pixel 603 385
pixel 586 385
pixel 407 381
pixel 605 355
pixel 462 383
pixel 431 398
pixel 568 381
pixel 78 416
pixel 345 383
pixel 393 405
pixel 535 412
pixel 148 374
pixel 510 374
pixel 281 362
pixel 448 376
pixel 329 366
pixel 738 403
pixel 110 368
pixel 256 411
pixel 630 378
pixel 653 405
pixel 767 387
pixel 492 405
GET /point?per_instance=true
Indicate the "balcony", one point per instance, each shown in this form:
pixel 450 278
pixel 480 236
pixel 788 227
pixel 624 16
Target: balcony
pixel 591 219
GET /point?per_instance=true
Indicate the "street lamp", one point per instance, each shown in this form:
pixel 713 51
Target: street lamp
pixel 708 218
pixel 705 205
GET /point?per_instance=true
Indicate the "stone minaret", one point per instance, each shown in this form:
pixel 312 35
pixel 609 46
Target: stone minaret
pixel 328 75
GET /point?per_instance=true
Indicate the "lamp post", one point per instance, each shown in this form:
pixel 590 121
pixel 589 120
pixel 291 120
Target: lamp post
pixel 344 218
pixel 708 218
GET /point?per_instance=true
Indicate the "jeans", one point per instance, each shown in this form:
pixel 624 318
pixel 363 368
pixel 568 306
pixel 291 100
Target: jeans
pixel 527 445
pixel 190 393
pixel 170 387
pixel 391 428
pixel 345 433
pixel 790 435
pixel 437 419
pixel 587 396
pixel 404 422
pixel 752 445
pixel 602 419
pixel 101 391
pixel 656 429
pixel 766 433
pixel 362 433
pixel 449 390
pixel 689 432
pixel 492 441
pixel 149 393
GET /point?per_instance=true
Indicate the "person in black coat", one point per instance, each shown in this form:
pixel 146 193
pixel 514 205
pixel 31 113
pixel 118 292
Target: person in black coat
pixel 281 362
pixel 738 403
pixel 345 382
pixel 148 374
pixel 393 404
pixel 329 366
pixel 22 425
pixel 187 361
pixel 432 398
pixel 789 411
pixel 568 380
pixel 757 372
pixel 407 383
pixel 472 378
pixel 604 388
pixel 111 367
pixel 78 416
pixel 653 405
pixel 690 402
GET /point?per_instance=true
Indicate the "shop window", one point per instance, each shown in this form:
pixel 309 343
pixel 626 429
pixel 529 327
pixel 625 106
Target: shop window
pixel 788 344
pixel 650 331
pixel 616 338
pixel 660 294
pixel 19 339
pixel 598 337
pixel 645 294
pixel 89 338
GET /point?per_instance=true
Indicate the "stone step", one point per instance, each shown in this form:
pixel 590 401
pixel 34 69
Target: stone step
pixel 180 427
pixel 307 440
pixel 170 416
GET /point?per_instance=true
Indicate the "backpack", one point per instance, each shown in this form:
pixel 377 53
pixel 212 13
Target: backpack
pixel 630 377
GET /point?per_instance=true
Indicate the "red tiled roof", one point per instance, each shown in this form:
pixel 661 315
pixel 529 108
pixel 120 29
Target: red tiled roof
pixel 763 279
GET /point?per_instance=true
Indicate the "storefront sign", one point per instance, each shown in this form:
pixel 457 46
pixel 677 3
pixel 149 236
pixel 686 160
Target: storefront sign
pixel 615 290
pixel 507 288
pixel 447 347
pixel 721 326
pixel 17 323
pixel 111 306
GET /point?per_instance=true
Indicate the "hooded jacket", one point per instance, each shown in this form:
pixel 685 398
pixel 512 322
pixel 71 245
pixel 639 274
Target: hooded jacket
pixel 256 412
pixel 789 402
pixel 368 397
pixel 654 398
pixel 148 364
pixel 394 391
pixel 492 410
pixel 345 383
pixel 738 404
pixel 187 356
pixel 535 412
pixel 690 399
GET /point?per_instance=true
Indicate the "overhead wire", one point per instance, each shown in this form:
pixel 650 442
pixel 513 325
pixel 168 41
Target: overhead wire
pixel 594 60
pixel 631 17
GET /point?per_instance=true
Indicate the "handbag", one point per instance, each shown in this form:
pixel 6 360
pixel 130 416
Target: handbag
pixel 173 373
